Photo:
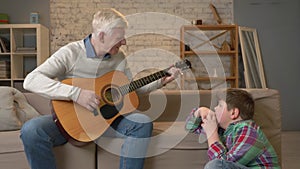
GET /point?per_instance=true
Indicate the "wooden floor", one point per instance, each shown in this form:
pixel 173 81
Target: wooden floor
pixel 290 149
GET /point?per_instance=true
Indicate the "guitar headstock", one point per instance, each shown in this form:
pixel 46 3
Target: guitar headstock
pixel 185 64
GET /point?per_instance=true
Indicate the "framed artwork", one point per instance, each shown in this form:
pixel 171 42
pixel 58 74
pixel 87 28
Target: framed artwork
pixel 253 65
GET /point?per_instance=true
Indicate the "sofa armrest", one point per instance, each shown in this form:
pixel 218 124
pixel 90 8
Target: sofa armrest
pixel 40 103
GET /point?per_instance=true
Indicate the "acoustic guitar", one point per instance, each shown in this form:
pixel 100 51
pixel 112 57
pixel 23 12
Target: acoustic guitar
pixel 118 97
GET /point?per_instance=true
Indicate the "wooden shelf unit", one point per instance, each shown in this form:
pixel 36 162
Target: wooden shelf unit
pixel 208 41
pixel 27 47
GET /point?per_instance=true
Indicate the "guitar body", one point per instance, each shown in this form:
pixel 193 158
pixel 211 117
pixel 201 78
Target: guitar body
pixel 86 126
pixel 117 97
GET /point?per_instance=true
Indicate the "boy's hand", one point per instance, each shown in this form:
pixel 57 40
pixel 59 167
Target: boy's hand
pixel 202 112
pixel 210 126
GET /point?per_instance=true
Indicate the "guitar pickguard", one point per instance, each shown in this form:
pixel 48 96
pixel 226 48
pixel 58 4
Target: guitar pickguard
pixel 110 111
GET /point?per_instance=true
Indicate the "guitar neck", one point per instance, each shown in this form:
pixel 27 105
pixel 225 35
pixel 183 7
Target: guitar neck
pixel 136 84
pixel 132 86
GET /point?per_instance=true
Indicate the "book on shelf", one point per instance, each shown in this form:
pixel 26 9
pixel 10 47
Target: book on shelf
pixel 5 76
pixel 4 62
pixel 4 69
pixel 26 49
pixel 4 45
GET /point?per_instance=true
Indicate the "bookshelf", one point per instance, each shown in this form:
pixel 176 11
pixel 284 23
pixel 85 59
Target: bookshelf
pixel 213 51
pixel 23 48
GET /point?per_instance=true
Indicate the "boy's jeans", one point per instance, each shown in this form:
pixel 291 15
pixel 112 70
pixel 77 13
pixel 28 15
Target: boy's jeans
pixel 223 164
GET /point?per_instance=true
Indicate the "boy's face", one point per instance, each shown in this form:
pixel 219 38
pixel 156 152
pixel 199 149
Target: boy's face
pixel 222 114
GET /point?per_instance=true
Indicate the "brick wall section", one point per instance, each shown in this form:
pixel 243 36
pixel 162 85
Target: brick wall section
pixel 154 32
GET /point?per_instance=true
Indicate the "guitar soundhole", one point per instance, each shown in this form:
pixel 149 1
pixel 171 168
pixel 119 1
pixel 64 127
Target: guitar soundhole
pixel 113 99
pixel 112 96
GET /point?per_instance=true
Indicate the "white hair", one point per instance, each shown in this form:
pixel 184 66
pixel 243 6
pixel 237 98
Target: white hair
pixel 107 19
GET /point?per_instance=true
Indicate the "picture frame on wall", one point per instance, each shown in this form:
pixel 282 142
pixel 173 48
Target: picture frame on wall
pixel 254 71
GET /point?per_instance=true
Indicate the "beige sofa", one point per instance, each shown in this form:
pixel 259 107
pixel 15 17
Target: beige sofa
pixel 170 147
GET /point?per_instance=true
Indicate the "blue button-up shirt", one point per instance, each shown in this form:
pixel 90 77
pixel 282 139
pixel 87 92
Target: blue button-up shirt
pixel 90 51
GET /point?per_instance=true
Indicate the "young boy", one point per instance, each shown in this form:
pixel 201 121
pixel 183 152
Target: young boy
pixel 234 140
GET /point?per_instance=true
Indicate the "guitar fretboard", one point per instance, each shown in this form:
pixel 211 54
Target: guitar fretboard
pixel 132 86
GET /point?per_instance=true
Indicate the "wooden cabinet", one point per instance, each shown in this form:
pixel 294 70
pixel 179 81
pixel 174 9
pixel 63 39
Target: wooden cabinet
pixel 23 48
pixel 213 52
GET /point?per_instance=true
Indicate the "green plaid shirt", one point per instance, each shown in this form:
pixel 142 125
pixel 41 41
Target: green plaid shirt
pixel 242 142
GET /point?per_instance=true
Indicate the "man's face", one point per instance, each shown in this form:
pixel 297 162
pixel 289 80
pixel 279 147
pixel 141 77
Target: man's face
pixel 113 42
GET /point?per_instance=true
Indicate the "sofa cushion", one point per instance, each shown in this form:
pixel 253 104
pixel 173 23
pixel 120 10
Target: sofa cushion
pixel 174 136
pixel 170 141
pixel 40 103
pixel 166 136
pixel 73 157
pixel 10 142
pixel 15 160
pixel 14 109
